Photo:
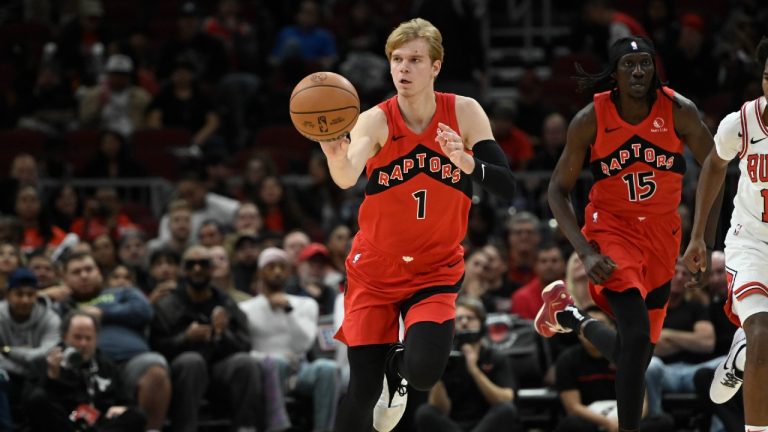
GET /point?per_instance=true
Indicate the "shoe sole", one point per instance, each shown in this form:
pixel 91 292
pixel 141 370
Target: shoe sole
pixel 547 330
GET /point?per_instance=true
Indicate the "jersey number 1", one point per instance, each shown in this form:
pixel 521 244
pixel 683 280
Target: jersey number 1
pixel 640 185
pixel 421 203
pixel 764 193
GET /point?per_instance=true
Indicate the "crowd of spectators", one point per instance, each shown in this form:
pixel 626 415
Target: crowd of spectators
pixel 219 301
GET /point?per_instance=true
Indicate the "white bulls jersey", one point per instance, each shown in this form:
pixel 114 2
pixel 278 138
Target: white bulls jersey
pixel 744 134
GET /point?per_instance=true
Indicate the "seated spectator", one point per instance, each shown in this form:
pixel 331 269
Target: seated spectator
pixel 500 288
pixel 515 142
pixel 284 327
pixel 547 153
pixel 180 228
pixel 339 244
pixel 316 277
pixel 115 104
pixel 11 230
pixel 81 41
pixel 245 258
pixel 133 253
pixel 685 345
pixel 28 329
pixel 51 109
pixel 64 206
pixel 23 172
pixel 293 243
pixel 307 41
pixel 522 241
pixel 164 271
pixel 550 266
pixel 278 206
pixel 221 275
pixel 104 253
pixel 206 54
pixel 210 234
pixel 203 204
pixel 10 260
pixel 477 389
pixel 586 382
pixel 113 159
pixel 204 336
pixel 125 315
pixel 259 166
pixel 38 231
pixel 239 37
pixel 45 271
pixel 103 215
pixel 75 386
pixel 181 104
pixel 120 277
pixel 247 221
pixel 474 284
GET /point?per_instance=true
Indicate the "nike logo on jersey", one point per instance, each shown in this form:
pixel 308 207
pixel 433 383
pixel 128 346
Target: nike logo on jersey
pixel 612 129
pixel 754 141
pixel 397 137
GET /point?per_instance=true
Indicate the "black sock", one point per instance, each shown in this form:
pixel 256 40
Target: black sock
pixel 572 318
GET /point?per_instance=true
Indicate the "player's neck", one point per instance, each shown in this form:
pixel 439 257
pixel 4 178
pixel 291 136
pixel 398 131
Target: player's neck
pixel 418 109
pixel 632 110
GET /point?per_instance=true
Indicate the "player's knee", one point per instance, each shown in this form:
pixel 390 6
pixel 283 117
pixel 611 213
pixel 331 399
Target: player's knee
pixel 756 329
pixel 423 372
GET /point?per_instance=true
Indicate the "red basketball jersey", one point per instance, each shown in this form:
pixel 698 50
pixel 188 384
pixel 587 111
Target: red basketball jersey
pixel 638 169
pixel 416 202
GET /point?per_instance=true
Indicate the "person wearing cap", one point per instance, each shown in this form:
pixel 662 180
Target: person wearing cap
pixel 283 327
pixel 28 328
pixel 634 134
pixel 316 278
pixel 204 336
pixel 116 104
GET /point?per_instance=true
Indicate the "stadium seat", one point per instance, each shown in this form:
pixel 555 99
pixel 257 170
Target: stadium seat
pixel 288 148
pixel 80 146
pixel 153 148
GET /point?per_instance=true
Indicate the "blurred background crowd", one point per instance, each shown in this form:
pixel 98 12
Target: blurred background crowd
pixel 150 178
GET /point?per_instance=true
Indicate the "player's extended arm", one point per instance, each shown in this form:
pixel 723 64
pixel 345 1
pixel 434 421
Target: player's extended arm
pixel 347 156
pixel 581 134
pixel 489 166
pixel 696 135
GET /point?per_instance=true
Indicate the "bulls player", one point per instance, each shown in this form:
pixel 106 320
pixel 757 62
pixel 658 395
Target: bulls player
pixel 421 150
pixel 742 134
pixel 634 133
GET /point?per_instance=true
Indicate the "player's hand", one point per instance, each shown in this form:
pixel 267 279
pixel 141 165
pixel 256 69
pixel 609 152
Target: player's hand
pixel 453 146
pixel 695 256
pixel 335 150
pixel 598 267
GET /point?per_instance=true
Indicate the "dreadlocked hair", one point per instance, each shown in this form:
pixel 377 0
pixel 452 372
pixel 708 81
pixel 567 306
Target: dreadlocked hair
pixel 604 79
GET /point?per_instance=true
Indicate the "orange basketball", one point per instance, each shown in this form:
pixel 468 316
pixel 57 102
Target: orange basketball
pixel 324 106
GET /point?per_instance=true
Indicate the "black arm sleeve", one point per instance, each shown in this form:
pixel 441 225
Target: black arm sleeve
pixel 492 169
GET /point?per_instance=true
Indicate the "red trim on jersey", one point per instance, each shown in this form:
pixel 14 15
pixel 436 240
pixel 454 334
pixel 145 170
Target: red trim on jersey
pixel 744 139
pixel 758 114
pixel 748 288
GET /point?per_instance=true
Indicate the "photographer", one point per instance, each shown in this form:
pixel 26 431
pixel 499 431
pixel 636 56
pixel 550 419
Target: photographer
pixel 74 388
pixel 478 385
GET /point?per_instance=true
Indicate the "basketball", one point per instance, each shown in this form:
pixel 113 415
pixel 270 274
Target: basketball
pixel 324 106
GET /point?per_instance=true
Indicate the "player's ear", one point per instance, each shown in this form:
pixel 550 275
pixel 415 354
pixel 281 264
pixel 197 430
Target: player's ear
pixel 436 65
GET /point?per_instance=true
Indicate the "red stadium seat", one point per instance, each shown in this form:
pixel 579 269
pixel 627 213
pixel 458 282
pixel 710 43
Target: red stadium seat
pixel 289 149
pixel 80 147
pixel 153 148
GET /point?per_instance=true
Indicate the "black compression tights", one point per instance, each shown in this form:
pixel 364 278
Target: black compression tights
pixel 630 350
pixel 422 363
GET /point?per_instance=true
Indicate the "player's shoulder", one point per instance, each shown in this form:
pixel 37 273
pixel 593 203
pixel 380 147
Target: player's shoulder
pixel 374 116
pixel 730 124
pixel 468 106
pixel 585 118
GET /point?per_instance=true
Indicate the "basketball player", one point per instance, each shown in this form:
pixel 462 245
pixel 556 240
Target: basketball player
pixel 634 133
pixel 421 150
pixel 742 134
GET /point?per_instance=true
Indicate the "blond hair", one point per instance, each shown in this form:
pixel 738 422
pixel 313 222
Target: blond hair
pixel 415 29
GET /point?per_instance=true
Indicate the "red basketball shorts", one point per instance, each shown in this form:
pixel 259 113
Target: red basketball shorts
pixel 645 251
pixel 380 286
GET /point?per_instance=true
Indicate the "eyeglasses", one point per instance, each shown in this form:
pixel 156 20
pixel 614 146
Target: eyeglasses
pixel 203 263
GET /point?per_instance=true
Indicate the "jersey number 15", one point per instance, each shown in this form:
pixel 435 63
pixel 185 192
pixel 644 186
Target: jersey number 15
pixel 640 185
